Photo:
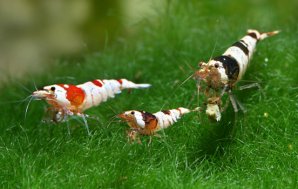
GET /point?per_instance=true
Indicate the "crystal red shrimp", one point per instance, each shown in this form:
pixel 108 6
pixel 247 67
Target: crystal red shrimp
pixel 67 99
pixel 146 123
pixel 221 73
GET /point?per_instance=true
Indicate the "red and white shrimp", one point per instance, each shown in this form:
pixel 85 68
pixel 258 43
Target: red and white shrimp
pixel 145 123
pixel 222 73
pixel 67 99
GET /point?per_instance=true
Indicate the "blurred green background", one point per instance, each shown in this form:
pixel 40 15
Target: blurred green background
pixel 34 33
pixel 157 42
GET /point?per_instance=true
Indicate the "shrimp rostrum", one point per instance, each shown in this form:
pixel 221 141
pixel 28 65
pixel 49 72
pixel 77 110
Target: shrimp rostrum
pixel 67 99
pixel 146 123
pixel 220 74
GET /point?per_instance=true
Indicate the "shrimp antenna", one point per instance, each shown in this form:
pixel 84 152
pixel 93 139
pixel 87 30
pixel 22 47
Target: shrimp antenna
pixel 214 47
pixel 23 87
pixel 182 83
pixel 27 107
pixel 16 101
pixel 35 85
pixel 111 108
pixel 215 44
pixel 198 89
pixel 112 120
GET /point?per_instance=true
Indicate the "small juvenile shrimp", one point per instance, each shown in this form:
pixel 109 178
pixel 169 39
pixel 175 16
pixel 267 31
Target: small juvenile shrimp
pixel 221 73
pixel 146 123
pixel 67 99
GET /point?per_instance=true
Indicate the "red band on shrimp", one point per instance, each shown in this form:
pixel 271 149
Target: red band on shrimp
pixel 179 111
pixel 97 83
pixel 75 95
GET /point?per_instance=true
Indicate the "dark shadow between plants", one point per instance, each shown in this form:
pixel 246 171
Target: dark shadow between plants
pixel 217 137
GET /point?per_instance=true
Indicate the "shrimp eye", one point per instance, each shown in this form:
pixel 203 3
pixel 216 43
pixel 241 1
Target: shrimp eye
pixel 216 65
pixel 132 112
pixel 53 88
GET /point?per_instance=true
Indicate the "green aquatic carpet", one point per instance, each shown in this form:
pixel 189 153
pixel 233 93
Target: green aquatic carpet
pixel 258 149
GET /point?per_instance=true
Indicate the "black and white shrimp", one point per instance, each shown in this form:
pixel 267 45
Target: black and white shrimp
pixel 221 73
